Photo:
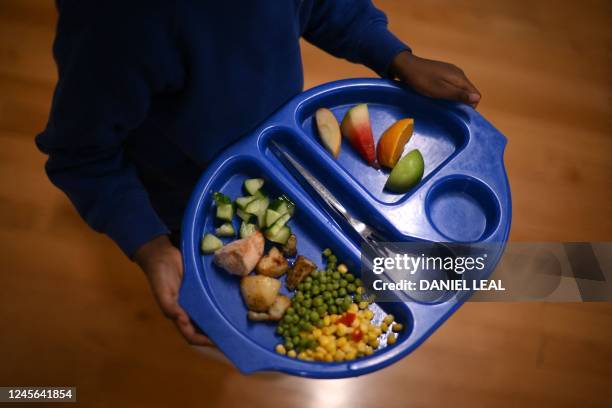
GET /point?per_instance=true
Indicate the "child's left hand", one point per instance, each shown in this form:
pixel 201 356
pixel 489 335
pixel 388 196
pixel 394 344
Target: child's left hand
pixel 434 78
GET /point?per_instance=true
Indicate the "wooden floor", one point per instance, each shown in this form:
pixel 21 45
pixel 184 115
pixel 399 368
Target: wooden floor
pixel 73 311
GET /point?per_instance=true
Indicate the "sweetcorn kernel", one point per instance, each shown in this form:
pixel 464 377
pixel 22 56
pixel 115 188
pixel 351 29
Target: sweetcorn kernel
pixel 368 314
pixel 391 338
pixel 374 343
pixel 397 327
pixel 316 333
pixel 353 308
pixel 341 342
pixel 280 349
pixel 339 356
pixel 388 319
pixel 291 353
pixel 384 327
pixel 326 321
pixel 342 268
pixel 369 351
pixel 363 305
pixel 328 358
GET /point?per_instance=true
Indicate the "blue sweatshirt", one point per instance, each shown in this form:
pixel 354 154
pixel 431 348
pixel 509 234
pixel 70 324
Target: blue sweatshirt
pixel 149 91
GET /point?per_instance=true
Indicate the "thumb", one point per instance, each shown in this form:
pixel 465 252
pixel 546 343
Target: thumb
pixel 447 90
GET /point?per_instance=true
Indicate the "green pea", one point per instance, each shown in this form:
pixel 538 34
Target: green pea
pixel 308 327
pixel 300 286
pixel 280 330
pixel 327 295
pixel 318 301
pixel 307 303
pixel 294 331
pixel 314 316
pixel 327 252
pixel 330 286
pixel 333 309
pixel 308 279
pixel 358 282
pixel 357 298
pixel 320 323
pixel 336 275
pixel 321 310
pixel 342 292
pixel 307 286
pixel 323 279
pixel 343 283
pixel 350 288
pixel 335 293
pixel 349 277
pixel 316 290
pixel 290 310
pixel 296 340
pixel 339 301
pixel 301 311
pixel 289 345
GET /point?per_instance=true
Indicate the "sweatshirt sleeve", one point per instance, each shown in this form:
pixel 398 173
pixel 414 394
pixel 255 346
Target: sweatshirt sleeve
pixel 107 76
pixel 354 30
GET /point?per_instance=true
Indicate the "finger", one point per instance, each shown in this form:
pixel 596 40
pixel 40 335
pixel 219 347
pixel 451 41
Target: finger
pixel 460 80
pixel 453 92
pixel 187 329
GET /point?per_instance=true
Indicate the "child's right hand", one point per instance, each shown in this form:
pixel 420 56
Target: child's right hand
pixel 162 263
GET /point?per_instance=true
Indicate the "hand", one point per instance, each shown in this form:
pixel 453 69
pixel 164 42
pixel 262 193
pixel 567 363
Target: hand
pixel 434 78
pixel 162 263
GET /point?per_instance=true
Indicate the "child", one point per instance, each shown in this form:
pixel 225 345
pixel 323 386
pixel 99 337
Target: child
pixel 150 91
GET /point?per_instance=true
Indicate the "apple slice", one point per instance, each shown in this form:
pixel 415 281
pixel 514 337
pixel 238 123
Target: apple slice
pixel 356 128
pixel 329 130
pixel 392 142
pixel 407 173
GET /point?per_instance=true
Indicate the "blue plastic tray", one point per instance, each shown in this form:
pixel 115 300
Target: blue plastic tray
pixel 463 197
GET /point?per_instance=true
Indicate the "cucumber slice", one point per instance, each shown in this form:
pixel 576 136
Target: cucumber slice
pixel 247 229
pixel 280 223
pixel 242 202
pixel 253 185
pixel 258 206
pixel 283 205
pixel 259 194
pixel 243 215
pixel 221 198
pixel 225 230
pixel 210 244
pixel 225 211
pixel 281 236
pixel 271 217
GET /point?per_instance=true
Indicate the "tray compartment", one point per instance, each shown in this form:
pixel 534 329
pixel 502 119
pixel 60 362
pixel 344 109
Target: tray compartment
pixel 224 289
pixel 438 134
pixel 462 209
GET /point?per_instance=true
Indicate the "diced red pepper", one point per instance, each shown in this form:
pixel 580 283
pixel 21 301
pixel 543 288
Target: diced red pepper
pixel 347 319
pixel 357 335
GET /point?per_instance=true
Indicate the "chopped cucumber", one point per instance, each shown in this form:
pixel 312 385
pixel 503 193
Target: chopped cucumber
pixel 259 194
pixel 257 206
pixel 271 217
pixel 210 244
pixel 283 205
pixel 244 216
pixel 225 230
pixel 225 211
pixel 280 223
pixel 247 229
pixel 243 202
pixel 221 198
pixel 281 236
pixel 253 185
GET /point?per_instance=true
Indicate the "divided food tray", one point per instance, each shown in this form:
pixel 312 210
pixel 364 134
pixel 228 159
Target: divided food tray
pixel 464 196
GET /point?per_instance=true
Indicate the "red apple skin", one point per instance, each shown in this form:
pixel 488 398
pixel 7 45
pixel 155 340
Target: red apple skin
pixel 356 128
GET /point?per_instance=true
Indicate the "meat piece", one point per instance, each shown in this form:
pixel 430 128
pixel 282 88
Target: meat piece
pixel 259 292
pixel 290 248
pixel 278 308
pixel 276 311
pixel 240 257
pixel 301 268
pixel 273 265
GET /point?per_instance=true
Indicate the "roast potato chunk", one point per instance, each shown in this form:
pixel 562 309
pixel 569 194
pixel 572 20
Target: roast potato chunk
pixel 273 265
pixel 301 268
pixel 259 292
pixel 240 257
pixel 276 311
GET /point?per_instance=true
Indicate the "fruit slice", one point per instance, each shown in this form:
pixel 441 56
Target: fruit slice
pixel 329 130
pixel 356 128
pixel 392 142
pixel 407 173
